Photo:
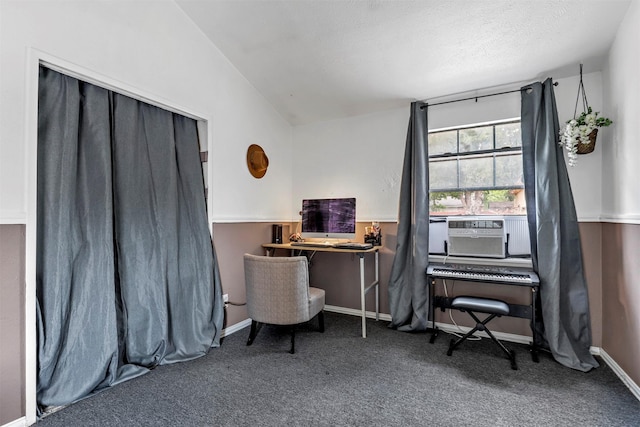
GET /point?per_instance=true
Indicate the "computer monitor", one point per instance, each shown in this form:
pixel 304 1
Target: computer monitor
pixel 332 219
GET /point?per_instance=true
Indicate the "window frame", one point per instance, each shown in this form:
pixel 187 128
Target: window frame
pixel 476 154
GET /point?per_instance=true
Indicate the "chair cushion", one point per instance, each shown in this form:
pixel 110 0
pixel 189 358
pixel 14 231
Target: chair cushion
pixel 482 305
pixel 316 301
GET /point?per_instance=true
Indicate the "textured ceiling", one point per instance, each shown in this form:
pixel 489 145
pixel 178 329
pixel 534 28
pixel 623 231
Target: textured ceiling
pixel 326 59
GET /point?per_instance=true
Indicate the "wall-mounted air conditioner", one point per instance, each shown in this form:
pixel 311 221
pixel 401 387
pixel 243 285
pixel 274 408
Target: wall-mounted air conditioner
pixel 477 236
pixel 516 228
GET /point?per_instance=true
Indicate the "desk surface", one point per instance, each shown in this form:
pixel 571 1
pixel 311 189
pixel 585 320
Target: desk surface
pixel 319 248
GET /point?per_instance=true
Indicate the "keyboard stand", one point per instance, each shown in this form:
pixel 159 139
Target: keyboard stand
pixel 364 288
pixel 515 310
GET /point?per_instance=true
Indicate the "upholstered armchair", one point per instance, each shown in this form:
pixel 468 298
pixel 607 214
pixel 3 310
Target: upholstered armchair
pixel 278 293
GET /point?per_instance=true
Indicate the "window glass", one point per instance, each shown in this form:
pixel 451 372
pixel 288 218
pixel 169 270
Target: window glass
pixel 508 135
pixel 476 139
pixel 443 142
pixel 509 171
pixel 477 171
pixel 443 174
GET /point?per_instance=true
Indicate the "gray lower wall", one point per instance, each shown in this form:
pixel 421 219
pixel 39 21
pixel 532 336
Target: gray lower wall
pixel 611 253
pixel 12 341
pixel 621 296
pixel 338 274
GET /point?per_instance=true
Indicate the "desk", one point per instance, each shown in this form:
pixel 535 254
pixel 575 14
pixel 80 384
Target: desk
pixel 271 247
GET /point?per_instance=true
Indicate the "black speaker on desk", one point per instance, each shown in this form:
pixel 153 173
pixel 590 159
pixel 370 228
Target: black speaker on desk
pixel 276 233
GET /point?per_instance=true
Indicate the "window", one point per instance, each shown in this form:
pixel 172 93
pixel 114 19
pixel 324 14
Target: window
pixel 476 170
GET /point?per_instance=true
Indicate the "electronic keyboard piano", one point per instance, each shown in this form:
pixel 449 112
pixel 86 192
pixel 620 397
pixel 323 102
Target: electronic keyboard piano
pixel 486 274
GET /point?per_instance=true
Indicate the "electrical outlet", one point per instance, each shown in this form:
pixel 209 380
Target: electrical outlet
pixel 225 297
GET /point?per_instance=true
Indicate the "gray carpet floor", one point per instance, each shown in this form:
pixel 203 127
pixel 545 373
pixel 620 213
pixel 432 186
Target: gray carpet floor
pixel 340 379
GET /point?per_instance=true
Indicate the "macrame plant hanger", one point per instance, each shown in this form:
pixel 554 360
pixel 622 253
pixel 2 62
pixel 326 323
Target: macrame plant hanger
pixel 584 148
pixel 581 91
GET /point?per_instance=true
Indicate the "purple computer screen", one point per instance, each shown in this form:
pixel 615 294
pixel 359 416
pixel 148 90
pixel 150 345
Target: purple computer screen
pixel 329 216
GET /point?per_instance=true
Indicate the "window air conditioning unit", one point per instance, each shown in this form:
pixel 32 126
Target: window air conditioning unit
pixel 477 237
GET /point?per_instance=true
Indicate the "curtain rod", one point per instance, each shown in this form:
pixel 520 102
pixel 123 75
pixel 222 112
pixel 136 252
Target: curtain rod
pixel 477 97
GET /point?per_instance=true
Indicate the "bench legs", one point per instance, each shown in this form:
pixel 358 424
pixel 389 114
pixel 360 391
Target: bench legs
pixel 481 326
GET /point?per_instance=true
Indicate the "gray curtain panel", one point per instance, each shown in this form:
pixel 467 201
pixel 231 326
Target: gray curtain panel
pixel 408 290
pixel 127 277
pixel 555 238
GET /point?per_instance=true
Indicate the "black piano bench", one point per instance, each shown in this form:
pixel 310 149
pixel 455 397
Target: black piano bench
pixel 492 307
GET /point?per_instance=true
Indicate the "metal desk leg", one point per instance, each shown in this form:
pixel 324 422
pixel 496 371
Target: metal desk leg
pixel 377 288
pixel 364 289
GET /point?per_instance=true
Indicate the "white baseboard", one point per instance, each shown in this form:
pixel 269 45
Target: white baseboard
pixel 626 379
pixel 235 328
pixel 355 312
pixel 20 422
pixel 332 308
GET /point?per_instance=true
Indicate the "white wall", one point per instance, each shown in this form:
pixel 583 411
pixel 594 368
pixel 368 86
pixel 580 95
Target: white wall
pixel 152 50
pixel 586 175
pixel 362 156
pixel 155 50
pixel 356 157
pixel 621 156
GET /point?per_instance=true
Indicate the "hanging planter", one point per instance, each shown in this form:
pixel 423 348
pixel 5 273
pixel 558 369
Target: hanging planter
pixel 580 133
pixel 589 146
